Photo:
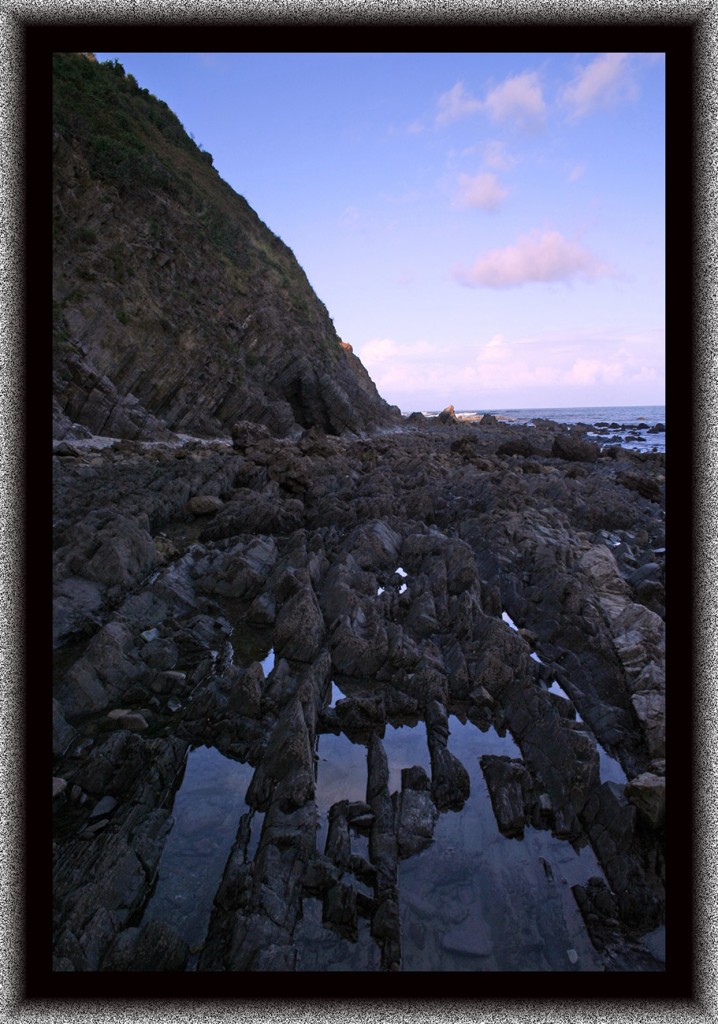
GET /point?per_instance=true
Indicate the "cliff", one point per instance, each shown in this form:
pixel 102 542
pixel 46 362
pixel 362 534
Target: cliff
pixel 175 307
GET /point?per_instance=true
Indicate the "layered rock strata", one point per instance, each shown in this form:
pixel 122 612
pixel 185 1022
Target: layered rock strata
pixel 175 308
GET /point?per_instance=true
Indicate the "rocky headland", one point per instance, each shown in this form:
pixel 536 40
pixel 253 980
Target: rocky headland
pixel 334 689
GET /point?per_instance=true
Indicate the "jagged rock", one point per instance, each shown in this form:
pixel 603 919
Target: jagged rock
pixel 450 784
pixel 246 432
pixel 609 818
pixel 647 486
pixel 573 448
pixel 154 947
pixel 340 910
pixel 256 343
pixel 62 733
pixel 108 668
pixel 124 552
pixel 648 793
pixel 601 912
pixel 374 546
pixel 338 844
pixel 416 812
pixel 76 605
pixel 509 786
pixel 448 416
pixel 359 643
pixel 516 446
pixel 299 629
pixel 360 716
pixel 287 760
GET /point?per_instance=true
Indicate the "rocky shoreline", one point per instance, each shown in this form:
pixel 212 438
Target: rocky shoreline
pixel 454 582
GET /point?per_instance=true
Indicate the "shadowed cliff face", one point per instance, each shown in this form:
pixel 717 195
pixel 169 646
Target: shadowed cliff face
pixel 176 308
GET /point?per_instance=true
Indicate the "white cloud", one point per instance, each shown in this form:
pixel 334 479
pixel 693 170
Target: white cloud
pixel 455 104
pixel 519 100
pixel 594 371
pixel 539 257
pixel 575 361
pixel 495 351
pixel 600 84
pixel 482 192
pixel 497 156
pixel 382 350
pixel 378 350
pixel 580 367
pixel 576 172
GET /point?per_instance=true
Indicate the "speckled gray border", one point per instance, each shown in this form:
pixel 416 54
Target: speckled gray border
pixel 13 13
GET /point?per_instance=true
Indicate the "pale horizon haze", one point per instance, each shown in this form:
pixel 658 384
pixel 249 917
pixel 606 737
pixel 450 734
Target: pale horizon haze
pixel 485 229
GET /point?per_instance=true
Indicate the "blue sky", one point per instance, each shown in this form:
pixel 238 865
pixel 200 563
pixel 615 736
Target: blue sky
pixel 485 229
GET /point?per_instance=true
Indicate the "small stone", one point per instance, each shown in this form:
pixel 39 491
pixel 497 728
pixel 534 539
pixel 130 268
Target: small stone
pixel 572 955
pixel 103 807
pixel 90 831
pixel 83 746
pixel 58 787
pixel 150 634
pixel 133 721
pixel 204 505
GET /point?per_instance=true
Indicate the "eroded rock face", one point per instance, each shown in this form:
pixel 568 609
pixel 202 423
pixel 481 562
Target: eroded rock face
pixel 175 308
pixel 383 566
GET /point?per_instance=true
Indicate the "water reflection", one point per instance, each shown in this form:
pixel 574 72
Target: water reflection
pixel 475 900
pixel 319 949
pixel 206 813
pixel 405 747
pixel 341 775
pixel 609 768
pixel 336 695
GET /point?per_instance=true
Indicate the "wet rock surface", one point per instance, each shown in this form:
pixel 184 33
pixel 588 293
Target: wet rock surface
pixel 369 634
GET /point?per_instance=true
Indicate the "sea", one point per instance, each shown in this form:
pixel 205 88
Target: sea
pixel 624 425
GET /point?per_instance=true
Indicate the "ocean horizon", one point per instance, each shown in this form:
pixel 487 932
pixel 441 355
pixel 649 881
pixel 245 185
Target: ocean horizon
pixel 623 419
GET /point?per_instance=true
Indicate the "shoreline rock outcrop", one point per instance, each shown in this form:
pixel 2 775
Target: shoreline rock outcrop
pixel 396 584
